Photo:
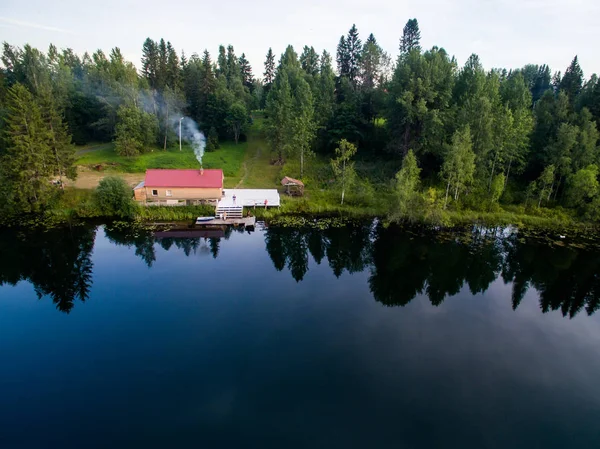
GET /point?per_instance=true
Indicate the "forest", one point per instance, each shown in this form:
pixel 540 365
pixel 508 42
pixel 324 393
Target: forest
pixel 417 129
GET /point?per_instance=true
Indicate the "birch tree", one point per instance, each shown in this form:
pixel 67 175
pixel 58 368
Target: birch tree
pixel 459 164
pixel 342 167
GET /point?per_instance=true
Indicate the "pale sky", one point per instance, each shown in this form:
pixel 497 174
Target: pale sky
pixel 504 33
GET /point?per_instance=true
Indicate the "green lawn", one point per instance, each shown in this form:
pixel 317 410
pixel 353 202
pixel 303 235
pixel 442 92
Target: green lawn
pixel 229 158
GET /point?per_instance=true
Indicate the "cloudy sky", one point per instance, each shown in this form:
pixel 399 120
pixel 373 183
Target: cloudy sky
pixel 504 33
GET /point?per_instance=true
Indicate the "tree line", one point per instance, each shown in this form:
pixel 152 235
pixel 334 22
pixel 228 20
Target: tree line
pixel 466 137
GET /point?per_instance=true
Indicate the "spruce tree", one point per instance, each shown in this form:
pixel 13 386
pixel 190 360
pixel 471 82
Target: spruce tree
pixel 269 75
pixel 150 62
pixel 27 163
pixel 354 49
pixel 572 81
pixel 343 58
pixel 411 37
pixel 309 60
pixel 246 72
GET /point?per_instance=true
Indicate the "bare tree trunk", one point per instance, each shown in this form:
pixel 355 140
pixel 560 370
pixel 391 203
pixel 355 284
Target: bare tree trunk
pixel 507 172
pixel 343 181
pixel 540 201
pixel 166 127
pixel 447 190
pixel 493 169
pixel 558 187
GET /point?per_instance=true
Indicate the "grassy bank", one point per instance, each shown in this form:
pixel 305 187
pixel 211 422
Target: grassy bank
pixel 229 157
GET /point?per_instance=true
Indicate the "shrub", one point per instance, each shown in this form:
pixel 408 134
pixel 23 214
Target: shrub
pixel 114 197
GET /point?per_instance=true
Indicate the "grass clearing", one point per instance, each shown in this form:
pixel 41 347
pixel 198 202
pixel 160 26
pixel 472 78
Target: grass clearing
pixel 229 157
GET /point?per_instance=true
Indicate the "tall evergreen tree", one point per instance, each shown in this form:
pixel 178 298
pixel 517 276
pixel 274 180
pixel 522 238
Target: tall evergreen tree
pixel 572 81
pixel 27 162
pixel 343 58
pixel 309 60
pixel 354 49
pixel 411 37
pixel 279 115
pixel 246 72
pixel 269 75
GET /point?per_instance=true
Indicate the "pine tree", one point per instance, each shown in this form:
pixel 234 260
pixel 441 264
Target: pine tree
pixel 309 60
pixel 161 75
pixel 27 163
pixel 150 61
pixel 173 69
pixel 572 81
pixel 269 75
pixel 325 98
pixel 371 61
pixel 59 139
pixel 246 72
pixel 279 115
pixel 411 37
pixel 222 61
pixel 354 49
pixel 343 58
pixel 233 70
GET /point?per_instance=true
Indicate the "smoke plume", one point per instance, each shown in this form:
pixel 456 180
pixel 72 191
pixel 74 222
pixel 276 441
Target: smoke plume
pixel 192 135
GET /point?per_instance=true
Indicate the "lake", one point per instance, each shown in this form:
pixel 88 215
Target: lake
pixel 356 336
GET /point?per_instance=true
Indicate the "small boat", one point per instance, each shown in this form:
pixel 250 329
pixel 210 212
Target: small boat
pixel 204 219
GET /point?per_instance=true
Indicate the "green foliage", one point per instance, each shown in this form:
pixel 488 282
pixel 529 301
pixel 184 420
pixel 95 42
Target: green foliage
pixel 114 197
pixel 135 131
pixel 582 186
pixel 212 141
pixel 545 183
pixel 407 185
pixel 237 119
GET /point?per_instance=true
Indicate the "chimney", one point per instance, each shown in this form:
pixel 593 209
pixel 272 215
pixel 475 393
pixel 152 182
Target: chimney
pixel 201 171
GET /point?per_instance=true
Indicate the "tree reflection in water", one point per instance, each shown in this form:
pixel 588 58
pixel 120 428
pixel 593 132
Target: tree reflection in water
pixel 403 264
pixel 58 263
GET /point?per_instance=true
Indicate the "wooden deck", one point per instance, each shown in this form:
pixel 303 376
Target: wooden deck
pixel 248 222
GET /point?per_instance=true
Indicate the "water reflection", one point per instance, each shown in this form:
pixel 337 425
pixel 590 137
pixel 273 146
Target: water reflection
pixel 58 263
pixel 402 265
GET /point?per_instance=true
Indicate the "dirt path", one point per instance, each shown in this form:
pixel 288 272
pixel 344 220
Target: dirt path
pixel 89 179
pixel 245 165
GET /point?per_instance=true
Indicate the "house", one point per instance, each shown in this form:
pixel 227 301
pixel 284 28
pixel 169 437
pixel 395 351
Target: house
pixel 180 187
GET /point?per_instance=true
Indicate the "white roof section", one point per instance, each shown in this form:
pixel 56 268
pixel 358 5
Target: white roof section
pixel 250 197
pixel 139 186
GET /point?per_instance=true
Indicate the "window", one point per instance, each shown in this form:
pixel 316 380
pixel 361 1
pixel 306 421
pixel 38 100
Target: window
pixel 155 193
pixel 169 193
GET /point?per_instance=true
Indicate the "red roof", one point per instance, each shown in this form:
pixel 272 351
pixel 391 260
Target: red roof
pixel 184 178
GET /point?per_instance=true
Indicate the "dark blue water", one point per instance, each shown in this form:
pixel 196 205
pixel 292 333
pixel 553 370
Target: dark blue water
pixel 352 337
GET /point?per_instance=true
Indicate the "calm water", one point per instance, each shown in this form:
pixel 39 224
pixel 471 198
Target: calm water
pixel 351 337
